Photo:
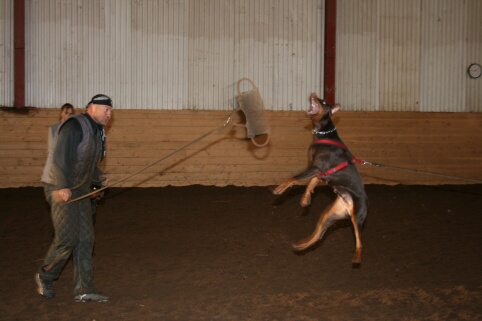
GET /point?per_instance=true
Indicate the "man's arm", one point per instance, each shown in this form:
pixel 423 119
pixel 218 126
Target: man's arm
pixel 65 156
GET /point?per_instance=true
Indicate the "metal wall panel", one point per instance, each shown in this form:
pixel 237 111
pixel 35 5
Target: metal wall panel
pixel 131 50
pixel 6 53
pixel 408 55
pixel 211 54
pixel 276 44
pixel 279 45
pixel 473 46
pixel 160 51
pixel 399 55
pixel 442 47
pixel 356 79
pixel 184 54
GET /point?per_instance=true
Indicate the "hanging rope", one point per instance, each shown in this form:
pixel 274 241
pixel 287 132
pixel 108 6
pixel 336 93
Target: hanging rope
pixel 228 119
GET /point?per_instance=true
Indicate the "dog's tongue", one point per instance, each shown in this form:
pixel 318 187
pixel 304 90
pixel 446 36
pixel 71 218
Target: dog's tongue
pixel 314 107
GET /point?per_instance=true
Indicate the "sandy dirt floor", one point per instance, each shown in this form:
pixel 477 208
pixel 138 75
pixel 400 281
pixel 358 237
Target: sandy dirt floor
pixel 209 253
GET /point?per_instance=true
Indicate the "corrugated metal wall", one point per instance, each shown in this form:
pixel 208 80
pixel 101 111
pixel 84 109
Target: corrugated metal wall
pixel 398 72
pixel 408 55
pixel 6 53
pixel 356 55
pixel 184 54
pixel 473 45
pixel 442 54
pixel 392 55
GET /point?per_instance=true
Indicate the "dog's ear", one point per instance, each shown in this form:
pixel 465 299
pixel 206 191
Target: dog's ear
pixel 335 108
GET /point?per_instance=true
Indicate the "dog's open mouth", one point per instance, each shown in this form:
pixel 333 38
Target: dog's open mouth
pixel 314 106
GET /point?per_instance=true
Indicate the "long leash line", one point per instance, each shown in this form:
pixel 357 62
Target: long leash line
pixel 226 122
pixel 364 162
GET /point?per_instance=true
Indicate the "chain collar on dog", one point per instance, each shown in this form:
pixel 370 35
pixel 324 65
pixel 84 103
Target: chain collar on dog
pixel 314 131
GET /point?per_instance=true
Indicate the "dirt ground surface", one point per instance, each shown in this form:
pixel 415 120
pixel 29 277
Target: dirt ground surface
pixel 212 253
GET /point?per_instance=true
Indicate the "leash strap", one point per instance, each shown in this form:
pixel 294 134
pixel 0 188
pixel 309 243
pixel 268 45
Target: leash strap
pixel 364 162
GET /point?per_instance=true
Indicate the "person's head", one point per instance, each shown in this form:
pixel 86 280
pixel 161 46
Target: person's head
pixel 100 109
pixel 66 111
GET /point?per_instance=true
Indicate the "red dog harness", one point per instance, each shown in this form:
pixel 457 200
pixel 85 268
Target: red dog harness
pixel 338 167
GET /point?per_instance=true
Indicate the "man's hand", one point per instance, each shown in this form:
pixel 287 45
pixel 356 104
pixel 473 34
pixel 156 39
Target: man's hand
pixel 104 180
pixel 62 195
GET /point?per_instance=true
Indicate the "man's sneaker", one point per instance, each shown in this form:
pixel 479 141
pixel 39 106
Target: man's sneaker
pixel 91 297
pixel 45 287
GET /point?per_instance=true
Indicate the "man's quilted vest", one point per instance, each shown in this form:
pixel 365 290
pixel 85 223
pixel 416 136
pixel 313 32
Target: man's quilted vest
pixel 88 153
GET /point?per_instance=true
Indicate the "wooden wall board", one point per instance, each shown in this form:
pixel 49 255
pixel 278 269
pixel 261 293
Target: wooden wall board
pixel 449 144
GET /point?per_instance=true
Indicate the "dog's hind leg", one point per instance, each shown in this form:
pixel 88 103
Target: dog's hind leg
pixel 306 198
pixel 357 229
pixel 338 210
pixel 357 219
pixel 356 260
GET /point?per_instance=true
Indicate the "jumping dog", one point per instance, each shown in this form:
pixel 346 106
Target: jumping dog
pixel 331 162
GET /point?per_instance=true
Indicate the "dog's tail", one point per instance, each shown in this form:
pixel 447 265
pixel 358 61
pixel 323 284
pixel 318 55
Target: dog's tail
pixel 338 210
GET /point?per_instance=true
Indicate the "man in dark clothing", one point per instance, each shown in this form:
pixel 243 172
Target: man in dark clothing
pixel 70 171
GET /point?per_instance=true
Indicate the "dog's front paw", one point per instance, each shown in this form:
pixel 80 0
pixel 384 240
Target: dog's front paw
pixel 283 187
pixel 279 190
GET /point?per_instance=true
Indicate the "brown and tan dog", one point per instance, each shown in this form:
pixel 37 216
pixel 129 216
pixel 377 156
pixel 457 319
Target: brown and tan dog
pixel 331 162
